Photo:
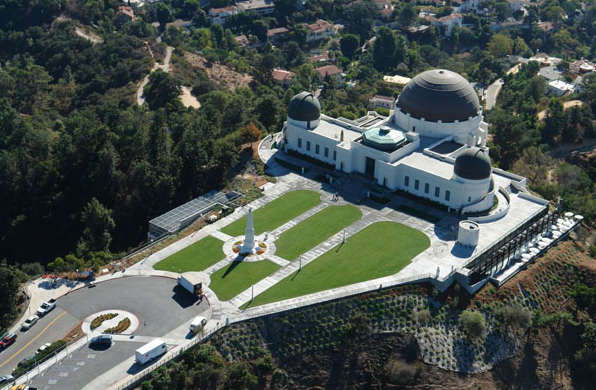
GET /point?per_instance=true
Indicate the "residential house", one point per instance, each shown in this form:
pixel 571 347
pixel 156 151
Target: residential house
pixel 548 27
pixel 276 35
pixel 220 15
pixel 323 57
pixel 331 71
pixel 446 22
pixel 262 7
pixel 242 40
pixel 283 77
pixel 560 88
pixel 125 14
pixel 382 101
pixel 319 30
pixel 517 5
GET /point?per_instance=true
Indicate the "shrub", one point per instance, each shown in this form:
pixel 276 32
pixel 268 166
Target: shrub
pixel 473 323
pixel 516 316
pixel 422 317
pixel 400 372
pixel 97 321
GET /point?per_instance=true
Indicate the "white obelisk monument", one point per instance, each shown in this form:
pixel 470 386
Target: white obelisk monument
pixel 249 237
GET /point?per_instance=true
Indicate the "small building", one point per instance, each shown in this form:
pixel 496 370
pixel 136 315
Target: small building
pixel 448 22
pixel 560 87
pixel 323 57
pixel 517 5
pixel 548 27
pixel 242 40
pixel 331 71
pixel 262 7
pixel 319 30
pixel 382 101
pixel 125 14
pixel 220 15
pixel 276 35
pixel 283 77
pixel 399 81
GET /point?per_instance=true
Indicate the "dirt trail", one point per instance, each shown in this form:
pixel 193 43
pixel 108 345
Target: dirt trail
pixel 566 105
pixel 188 99
pixel 88 35
pixel 165 67
pixel 219 73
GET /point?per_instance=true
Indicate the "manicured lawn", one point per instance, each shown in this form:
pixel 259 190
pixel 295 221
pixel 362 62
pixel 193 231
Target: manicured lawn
pixel 315 229
pixel 277 212
pixel 238 276
pixel 197 257
pixel 381 249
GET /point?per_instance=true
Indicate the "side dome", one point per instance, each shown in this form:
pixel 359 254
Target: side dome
pixel 304 107
pixel 439 94
pixel 473 164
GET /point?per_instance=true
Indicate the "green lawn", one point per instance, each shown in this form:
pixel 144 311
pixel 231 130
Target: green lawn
pixel 196 257
pixel 276 212
pixel 238 276
pixel 315 229
pixel 381 249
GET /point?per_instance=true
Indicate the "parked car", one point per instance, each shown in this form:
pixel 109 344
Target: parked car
pixel 102 340
pixel 46 307
pixel 7 340
pixel 4 379
pixel 197 324
pixel 29 322
pixel 42 348
pixel 25 361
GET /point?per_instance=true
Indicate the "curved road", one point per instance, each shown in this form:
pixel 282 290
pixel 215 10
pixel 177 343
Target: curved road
pixel 161 306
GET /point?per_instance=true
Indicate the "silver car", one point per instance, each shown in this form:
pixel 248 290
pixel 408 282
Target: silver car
pixel 29 322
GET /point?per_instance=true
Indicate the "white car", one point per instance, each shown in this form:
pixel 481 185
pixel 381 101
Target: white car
pixel 43 348
pixel 29 322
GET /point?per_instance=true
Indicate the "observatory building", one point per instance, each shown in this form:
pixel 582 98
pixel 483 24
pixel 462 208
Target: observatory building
pixel 433 146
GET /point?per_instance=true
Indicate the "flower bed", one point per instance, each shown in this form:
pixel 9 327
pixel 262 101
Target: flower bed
pixel 97 321
pixel 121 327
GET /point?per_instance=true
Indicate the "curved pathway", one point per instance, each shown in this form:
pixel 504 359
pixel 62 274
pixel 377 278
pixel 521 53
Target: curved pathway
pixel 165 67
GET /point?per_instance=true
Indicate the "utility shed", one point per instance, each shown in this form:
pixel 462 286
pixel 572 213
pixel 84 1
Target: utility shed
pixel 182 216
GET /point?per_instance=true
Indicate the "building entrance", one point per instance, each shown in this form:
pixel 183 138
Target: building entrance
pixel 370 167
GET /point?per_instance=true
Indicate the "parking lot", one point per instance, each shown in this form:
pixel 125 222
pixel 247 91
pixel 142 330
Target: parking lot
pixel 159 303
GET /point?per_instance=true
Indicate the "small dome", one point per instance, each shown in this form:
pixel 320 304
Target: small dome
pixel 304 107
pixel 473 164
pixel 383 138
pixel 439 94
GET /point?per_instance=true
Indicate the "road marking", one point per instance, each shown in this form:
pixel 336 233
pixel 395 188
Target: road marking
pixel 35 338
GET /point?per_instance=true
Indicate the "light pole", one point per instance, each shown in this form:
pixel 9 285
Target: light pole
pixel 252 293
pixel 344 241
pixel 300 268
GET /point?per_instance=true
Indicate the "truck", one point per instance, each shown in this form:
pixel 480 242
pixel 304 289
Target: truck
pixel 191 283
pixel 150 351
pixel 46 307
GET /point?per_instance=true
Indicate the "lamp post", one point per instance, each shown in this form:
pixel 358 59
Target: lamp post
pixel 300 268
pixel 252 293
pixel 344 241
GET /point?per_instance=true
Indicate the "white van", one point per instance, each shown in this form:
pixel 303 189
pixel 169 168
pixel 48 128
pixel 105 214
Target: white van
pixel 150 351
pixel 197 324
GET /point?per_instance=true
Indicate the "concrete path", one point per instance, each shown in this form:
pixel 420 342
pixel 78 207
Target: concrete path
pixel 492 92
pixel 165 67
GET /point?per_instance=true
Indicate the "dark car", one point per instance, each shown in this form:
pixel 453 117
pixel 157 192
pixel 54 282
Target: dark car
pixel 6 379
pixel 7 340
pixel 25 361
pixel 104 340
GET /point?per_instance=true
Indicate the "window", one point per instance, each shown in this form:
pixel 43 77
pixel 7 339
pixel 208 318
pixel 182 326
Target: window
pixel 416 184
pixel 407 181
pixel 334 155
pixel 299 142
pixel 317 148
pixel 414 129
pixel 308 145
pixel 469 198
pixel 326 152
pixel 447 195
pixel 426 188
pixel 437 192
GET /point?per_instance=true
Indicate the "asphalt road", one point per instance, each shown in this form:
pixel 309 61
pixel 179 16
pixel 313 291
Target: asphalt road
pixel 492 92
pixel 159 304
